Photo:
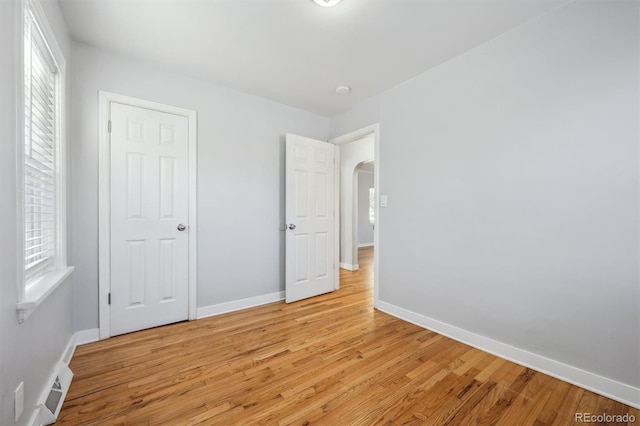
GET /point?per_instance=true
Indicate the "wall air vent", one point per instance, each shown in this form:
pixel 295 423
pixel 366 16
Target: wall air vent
pixel 53 399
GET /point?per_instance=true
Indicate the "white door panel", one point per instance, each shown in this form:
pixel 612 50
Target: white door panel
pixel 149 199
pixel 310 217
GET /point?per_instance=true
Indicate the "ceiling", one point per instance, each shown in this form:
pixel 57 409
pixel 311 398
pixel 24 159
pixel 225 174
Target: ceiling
pixel 294 51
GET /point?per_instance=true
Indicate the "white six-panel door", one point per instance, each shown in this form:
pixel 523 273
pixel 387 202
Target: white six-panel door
pixel 149 218
pixel 310 216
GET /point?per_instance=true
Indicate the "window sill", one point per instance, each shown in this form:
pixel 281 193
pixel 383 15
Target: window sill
pixel 40 291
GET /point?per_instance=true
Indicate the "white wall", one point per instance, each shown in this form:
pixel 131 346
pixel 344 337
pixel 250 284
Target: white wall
pixel 523 227
pixel 351 154
pixel 28 351
pixel 240 177
pixel 363 115
pixel 365 228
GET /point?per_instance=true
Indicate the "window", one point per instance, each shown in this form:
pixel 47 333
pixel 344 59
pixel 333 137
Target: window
pixel 42 166
pixel 372 206
pixel 41 117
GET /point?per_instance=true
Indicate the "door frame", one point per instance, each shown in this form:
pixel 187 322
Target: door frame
pixel 374 130
pixel 104 200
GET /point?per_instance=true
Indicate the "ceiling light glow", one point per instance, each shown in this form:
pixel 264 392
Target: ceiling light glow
pixel 327 3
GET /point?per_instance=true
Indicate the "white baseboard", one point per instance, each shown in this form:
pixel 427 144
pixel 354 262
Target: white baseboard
pixel 69 350
pixel 349 267
pixel 35 419
pixel 237 305
pixel 65 358
pixel 365 245
pixel 585 379
pixel 87 336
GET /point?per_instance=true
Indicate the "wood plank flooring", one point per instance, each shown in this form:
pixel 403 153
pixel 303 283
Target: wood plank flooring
pixel 329 360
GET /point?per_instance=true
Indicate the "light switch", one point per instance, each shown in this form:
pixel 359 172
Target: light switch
pixel 383 201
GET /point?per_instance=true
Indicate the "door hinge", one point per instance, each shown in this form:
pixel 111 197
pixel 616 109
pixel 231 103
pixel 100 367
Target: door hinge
pixel 109 126
pixel 109 298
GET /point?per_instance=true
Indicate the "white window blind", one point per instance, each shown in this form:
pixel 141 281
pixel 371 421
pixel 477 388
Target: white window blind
pixel 39 153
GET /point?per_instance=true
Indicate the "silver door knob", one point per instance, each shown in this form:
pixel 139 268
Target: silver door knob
pixel 181 227
pixel 292 227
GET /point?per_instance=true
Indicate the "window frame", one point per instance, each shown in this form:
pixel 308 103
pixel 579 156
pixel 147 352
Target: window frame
pixel 31 294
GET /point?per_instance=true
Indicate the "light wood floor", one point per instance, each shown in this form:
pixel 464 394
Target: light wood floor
pixel 329 360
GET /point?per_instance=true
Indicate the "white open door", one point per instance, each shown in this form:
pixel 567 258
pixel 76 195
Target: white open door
pixel 149 231
pixel 310 218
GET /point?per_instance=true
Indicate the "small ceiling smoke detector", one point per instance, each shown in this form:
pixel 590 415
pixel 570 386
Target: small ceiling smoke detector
pixel 343 90
pixel 327 3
